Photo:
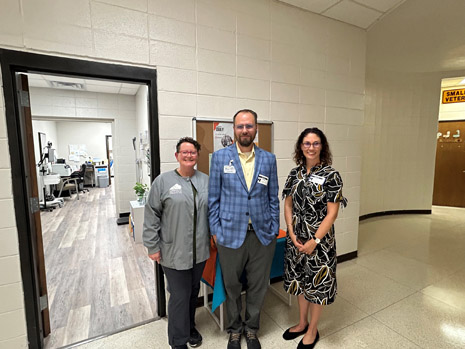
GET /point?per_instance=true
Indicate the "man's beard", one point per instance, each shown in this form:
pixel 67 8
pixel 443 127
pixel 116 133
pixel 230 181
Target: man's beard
pixel 245 142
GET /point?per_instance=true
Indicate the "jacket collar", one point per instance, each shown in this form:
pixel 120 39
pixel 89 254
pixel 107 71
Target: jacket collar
pixel 236 162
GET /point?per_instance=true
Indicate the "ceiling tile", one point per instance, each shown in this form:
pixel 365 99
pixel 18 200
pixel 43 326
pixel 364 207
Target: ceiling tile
pixel 63 79
pixel 380 5
pixel 128 91
pixel 316 6
pixel 131 86
pixel 103 83
pixel 38 83
pixel 102 89
pixel 91 85
pixel 352 13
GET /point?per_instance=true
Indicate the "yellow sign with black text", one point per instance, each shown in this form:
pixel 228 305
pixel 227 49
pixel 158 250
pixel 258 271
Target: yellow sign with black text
pixel 453 96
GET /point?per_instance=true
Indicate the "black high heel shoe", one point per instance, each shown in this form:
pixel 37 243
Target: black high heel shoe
pixel 309 346
pixel 288 335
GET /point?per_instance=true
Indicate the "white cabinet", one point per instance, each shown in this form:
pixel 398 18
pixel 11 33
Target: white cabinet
pixel 137 220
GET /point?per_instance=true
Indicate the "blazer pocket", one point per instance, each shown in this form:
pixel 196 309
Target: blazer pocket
pixel 227 216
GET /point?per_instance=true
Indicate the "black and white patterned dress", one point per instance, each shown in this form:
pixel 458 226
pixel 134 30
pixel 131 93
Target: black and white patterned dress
pixel 312 275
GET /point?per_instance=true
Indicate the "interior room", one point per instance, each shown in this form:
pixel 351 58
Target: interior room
pixel 366 72
pixel 95 268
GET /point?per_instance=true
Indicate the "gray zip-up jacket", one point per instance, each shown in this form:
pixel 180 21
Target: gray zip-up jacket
pixel 169 219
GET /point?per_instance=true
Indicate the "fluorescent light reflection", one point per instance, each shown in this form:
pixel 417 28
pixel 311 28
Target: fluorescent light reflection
pixel 455 333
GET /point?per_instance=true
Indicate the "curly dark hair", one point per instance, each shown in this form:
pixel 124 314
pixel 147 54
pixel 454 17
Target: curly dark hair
pixel 188 140
pixel 326 157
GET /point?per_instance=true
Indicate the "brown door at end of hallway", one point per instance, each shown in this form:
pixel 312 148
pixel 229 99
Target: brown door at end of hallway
pixel 449 176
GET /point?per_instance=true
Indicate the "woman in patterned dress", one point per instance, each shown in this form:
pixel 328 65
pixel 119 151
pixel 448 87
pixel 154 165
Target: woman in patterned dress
pixel 312 193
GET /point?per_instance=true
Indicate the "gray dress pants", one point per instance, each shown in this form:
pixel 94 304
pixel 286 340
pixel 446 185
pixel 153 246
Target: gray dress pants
pixel 255 259
pixel 183 286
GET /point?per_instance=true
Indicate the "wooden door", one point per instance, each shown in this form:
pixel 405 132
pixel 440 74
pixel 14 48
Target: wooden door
pixel 29 162
pixel 449 176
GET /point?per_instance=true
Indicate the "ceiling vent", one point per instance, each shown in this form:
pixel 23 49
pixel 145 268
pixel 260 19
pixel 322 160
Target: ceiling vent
pixel 66 85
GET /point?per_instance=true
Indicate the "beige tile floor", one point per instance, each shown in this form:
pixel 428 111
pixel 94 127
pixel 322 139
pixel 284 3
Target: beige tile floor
pixel 405 290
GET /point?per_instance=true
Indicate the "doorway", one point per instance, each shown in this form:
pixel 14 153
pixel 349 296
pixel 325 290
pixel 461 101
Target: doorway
pixel 449 176
pixel 19 130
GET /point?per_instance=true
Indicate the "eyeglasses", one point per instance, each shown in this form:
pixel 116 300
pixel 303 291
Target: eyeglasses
pixel 247 126
pixel 191 153
pixel 309 144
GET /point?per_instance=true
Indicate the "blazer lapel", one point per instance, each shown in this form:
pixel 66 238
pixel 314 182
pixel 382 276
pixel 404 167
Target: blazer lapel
pixel 258 165
pixel 237 165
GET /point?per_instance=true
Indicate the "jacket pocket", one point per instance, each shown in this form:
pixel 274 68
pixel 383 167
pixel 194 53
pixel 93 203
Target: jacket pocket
pixel 227 216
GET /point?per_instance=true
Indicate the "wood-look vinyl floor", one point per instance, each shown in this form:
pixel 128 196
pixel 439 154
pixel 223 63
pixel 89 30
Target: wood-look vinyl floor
pixel 98 279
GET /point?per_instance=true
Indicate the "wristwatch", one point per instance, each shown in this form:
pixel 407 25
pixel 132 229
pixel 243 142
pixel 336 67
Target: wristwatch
pixel 317 240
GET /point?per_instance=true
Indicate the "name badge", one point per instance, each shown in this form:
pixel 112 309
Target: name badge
pixel 317 179
pixel 175 189
pixel 262 179
pixel 229 169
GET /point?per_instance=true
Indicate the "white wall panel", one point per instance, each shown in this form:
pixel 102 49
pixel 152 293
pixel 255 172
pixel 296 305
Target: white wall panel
pixel 171 30
pixel 216 84
pixel 212 14
pixel 253 47
pixel 167 54
pixel 252 88
pixel 118 20
pixel 216 39
pixel 253 68
pixel 11 28
pixel 183 10
pixel 116 46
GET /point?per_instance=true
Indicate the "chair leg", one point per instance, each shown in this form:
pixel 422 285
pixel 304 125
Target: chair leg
pixel 77 188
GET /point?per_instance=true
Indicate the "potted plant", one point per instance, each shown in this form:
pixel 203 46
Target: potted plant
pixel 140 190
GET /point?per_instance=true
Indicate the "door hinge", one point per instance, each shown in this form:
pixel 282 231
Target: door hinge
pixel 24 98
pixel 35 207
pixel 43 302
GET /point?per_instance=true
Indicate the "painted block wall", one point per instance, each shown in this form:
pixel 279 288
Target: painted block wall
pixel 399 141
pixel 213 57
pixel 117 109
pixel 403 85
pixel 12 316
pixel 92 134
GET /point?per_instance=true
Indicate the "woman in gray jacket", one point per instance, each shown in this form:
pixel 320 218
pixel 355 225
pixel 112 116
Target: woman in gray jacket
pixel 176 236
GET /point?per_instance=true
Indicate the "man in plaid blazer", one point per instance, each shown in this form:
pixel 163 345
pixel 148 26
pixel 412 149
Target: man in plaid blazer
pixel 244 221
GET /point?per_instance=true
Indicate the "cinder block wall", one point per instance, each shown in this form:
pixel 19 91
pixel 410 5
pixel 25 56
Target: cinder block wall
pixel 213 57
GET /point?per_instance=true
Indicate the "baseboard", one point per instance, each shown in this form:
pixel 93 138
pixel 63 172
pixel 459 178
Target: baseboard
pixel 390 213
pixel 123 218
pixel 347 256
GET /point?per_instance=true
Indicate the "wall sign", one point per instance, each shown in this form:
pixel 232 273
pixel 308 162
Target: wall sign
pixel 453 96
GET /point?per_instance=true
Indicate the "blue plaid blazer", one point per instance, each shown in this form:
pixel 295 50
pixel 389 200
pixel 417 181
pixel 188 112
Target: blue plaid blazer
pixel 231 204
